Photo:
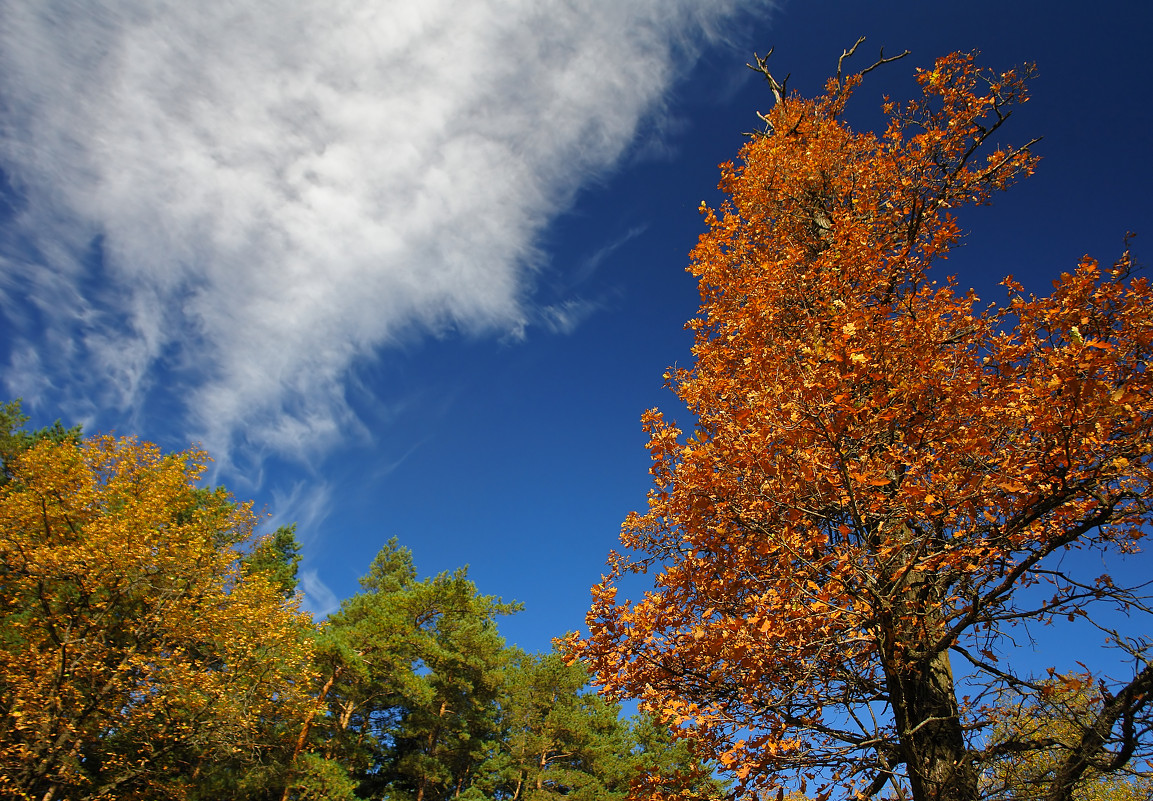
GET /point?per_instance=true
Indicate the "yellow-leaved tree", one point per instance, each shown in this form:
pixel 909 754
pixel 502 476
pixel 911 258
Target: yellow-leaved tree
pixel 1038 731
pixel 137 656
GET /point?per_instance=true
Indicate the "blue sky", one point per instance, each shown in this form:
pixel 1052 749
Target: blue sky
pixel 415 270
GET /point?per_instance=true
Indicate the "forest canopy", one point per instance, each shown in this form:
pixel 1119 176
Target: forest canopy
pixel 151 646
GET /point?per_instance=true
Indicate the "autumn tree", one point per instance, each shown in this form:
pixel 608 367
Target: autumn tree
pixel 1039 731
pixel 15 438
pixel 137 657
pixel 885 477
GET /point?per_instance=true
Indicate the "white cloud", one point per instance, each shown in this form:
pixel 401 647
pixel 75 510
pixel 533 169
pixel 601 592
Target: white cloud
pixel 228 202
pixel 564 318
pixel 593 262
pixel 305 504
pixel 318 598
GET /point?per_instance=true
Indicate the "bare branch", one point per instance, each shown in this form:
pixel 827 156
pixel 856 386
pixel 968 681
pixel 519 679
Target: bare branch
pixel 880 60
pixel 763 68
pixel 847 54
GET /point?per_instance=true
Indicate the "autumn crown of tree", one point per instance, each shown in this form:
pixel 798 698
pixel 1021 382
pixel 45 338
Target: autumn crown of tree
pixel 882 476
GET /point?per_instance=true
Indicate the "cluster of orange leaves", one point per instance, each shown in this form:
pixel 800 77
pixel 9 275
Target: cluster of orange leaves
pixel 860 427
pixel 133 642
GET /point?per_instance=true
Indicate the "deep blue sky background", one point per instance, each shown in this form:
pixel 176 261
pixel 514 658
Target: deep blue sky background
pixel 496 431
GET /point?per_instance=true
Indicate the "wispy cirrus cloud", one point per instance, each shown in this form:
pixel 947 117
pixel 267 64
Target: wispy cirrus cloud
pixel 218 206
pixel 318 598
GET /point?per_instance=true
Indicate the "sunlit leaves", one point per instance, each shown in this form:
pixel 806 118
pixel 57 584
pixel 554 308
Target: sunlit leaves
pixel 879 463
pixel 136 651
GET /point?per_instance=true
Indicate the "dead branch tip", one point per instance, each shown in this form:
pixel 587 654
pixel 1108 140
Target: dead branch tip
pixel 761 66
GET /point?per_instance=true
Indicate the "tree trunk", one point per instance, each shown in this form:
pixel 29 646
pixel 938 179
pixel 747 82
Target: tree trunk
pixel 307 726
pixel 932 742
pixel 432 738
pixel 346 715
pixel 925 706
pixel 540 775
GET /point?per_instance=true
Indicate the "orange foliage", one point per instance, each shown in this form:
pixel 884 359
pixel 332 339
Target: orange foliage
pixel 135 652
pixel 879 466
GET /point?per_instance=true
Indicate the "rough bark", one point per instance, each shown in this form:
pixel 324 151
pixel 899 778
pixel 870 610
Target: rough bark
pixel 929 729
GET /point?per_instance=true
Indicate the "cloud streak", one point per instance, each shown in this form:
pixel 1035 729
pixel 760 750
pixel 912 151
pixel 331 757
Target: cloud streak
pixel 217 207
